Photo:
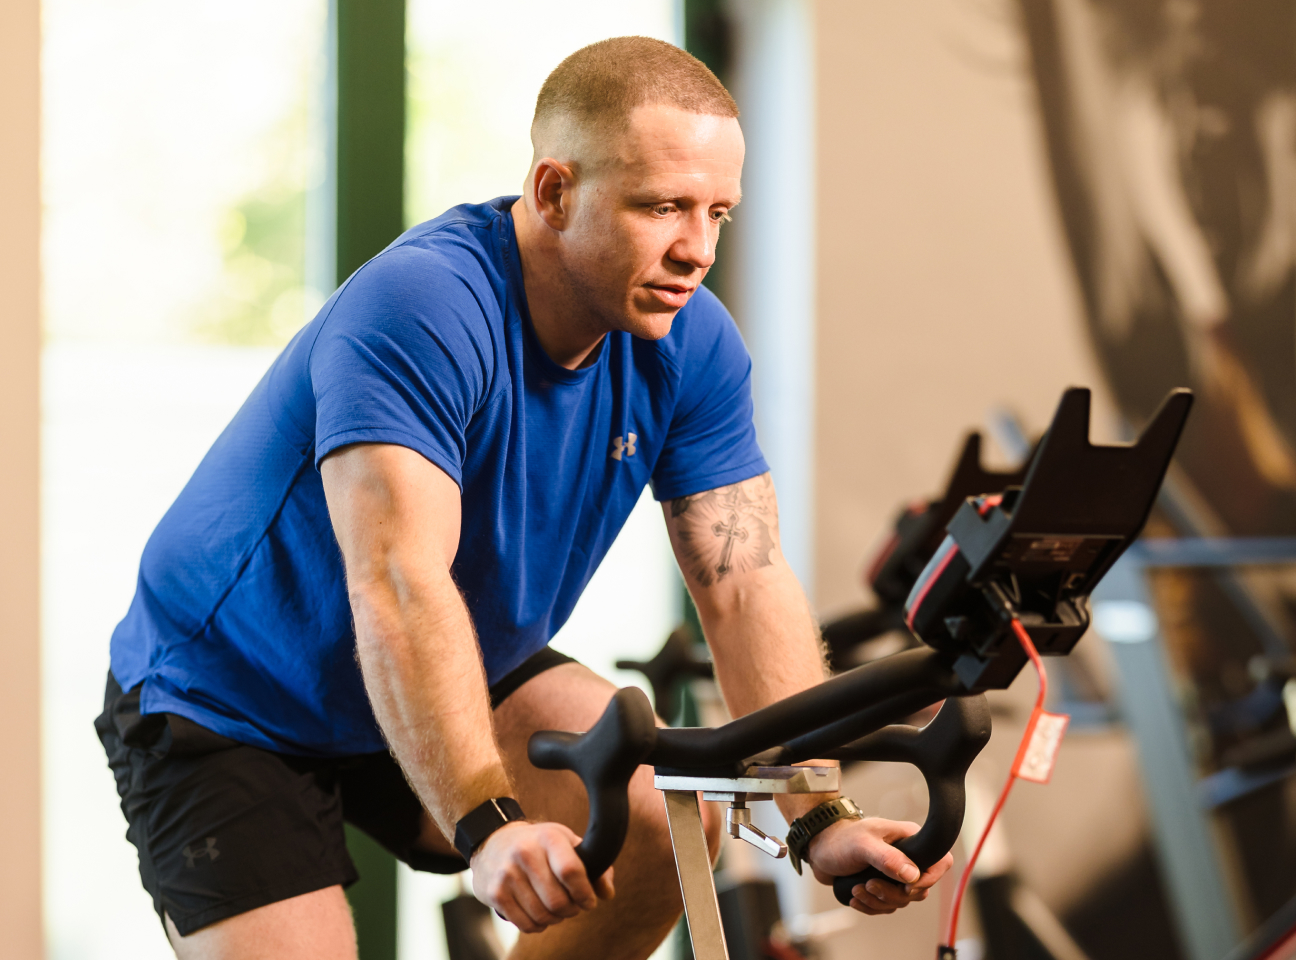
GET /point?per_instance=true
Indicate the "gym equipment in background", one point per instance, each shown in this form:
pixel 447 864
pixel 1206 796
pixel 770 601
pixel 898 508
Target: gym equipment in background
pixel 1023 564
pixel 915 535
pixel 681 658
pixel 469 928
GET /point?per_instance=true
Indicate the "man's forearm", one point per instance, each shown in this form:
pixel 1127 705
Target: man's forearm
pixel 764 639
pixel 765 644
pixel 396 518
pixel 424 677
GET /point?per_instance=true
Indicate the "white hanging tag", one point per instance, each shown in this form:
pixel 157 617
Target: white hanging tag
pixel 1035 761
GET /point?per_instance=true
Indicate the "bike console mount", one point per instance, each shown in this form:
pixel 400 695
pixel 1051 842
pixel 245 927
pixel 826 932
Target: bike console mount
pixel 915 535
pixel 1033 553
pixel 920 527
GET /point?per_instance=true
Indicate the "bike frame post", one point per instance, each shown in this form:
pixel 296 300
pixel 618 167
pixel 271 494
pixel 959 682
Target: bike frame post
pixel 693 864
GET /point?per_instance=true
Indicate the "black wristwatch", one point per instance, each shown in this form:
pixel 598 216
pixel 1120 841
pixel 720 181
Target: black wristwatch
pixel 479 823
pixel 808 826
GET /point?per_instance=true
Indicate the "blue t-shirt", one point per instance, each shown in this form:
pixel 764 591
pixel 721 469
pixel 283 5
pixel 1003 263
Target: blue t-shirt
pixel 240 620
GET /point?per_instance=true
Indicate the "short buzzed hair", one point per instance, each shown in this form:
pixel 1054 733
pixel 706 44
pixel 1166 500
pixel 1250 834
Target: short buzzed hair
pixel 599 85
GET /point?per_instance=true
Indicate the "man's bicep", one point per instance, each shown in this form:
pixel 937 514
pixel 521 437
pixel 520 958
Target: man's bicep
pixel 721 534
pixel 388 502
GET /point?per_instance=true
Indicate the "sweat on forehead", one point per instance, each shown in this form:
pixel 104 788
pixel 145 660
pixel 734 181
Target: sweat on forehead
pixel 590 95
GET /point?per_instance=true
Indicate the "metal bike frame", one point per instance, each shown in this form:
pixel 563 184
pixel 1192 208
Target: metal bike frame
pixel 693 859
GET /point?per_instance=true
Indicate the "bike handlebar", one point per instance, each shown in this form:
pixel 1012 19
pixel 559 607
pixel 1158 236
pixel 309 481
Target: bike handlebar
pixel 842 718
pixel 837 710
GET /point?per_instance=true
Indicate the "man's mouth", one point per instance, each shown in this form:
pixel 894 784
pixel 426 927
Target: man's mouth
pixel 672 294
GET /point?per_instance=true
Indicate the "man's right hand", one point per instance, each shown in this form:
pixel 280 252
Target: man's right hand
pixel 530 874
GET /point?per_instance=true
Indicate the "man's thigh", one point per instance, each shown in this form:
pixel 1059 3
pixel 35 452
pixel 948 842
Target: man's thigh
pixel 312 926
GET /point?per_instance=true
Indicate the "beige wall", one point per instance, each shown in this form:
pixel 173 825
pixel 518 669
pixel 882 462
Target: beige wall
pixel 943 285
pixel 20 837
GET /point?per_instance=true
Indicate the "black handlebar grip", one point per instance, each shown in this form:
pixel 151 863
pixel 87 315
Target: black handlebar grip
pixel 943 750
pixel 605 758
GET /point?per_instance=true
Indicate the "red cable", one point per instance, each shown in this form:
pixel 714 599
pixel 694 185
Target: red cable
pixel 1278 950
pixel 1024 639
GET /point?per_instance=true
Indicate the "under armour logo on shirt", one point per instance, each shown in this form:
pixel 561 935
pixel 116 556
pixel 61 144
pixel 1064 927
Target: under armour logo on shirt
pixel 191 855
pixel 620 446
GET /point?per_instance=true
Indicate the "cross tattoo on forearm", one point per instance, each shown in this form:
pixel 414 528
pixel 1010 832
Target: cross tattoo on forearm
pixel 725 531
pixel 731 532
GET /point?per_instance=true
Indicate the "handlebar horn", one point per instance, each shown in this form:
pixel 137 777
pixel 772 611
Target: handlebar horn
pixel 605 757
pixel 942 751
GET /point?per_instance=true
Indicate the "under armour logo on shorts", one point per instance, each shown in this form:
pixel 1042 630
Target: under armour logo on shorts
pixel 620 446
pixel 191 855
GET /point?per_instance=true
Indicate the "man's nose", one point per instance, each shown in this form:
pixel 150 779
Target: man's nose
pixel 695 244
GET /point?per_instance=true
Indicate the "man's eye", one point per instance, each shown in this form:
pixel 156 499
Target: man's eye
pixel 664 208
pixel 719 216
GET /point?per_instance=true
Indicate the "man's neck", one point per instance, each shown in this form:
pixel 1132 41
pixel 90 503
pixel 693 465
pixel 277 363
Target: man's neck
pixel 555 316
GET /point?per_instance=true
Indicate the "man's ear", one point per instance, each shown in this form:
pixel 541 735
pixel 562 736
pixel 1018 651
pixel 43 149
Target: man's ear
pixel 551 189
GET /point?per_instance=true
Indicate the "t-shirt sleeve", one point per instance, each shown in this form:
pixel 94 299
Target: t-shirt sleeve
pixel 712 439
pixel 404 357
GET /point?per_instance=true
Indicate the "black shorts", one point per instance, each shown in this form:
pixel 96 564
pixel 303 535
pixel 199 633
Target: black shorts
pixel 222 827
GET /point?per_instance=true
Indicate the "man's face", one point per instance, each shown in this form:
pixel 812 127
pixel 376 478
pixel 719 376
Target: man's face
pixel 645 223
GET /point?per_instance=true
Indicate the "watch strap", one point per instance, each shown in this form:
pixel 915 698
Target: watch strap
pixel 480 822
pixel 809 825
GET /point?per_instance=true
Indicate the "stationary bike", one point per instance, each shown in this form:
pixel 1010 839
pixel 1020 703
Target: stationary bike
pixel 1009 582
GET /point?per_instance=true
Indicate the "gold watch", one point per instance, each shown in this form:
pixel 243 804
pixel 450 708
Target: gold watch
pixel 809 825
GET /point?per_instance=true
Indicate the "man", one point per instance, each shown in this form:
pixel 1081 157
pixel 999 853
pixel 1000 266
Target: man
pixel 468 422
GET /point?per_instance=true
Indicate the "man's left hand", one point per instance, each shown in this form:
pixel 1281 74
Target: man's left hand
pixel 850 846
